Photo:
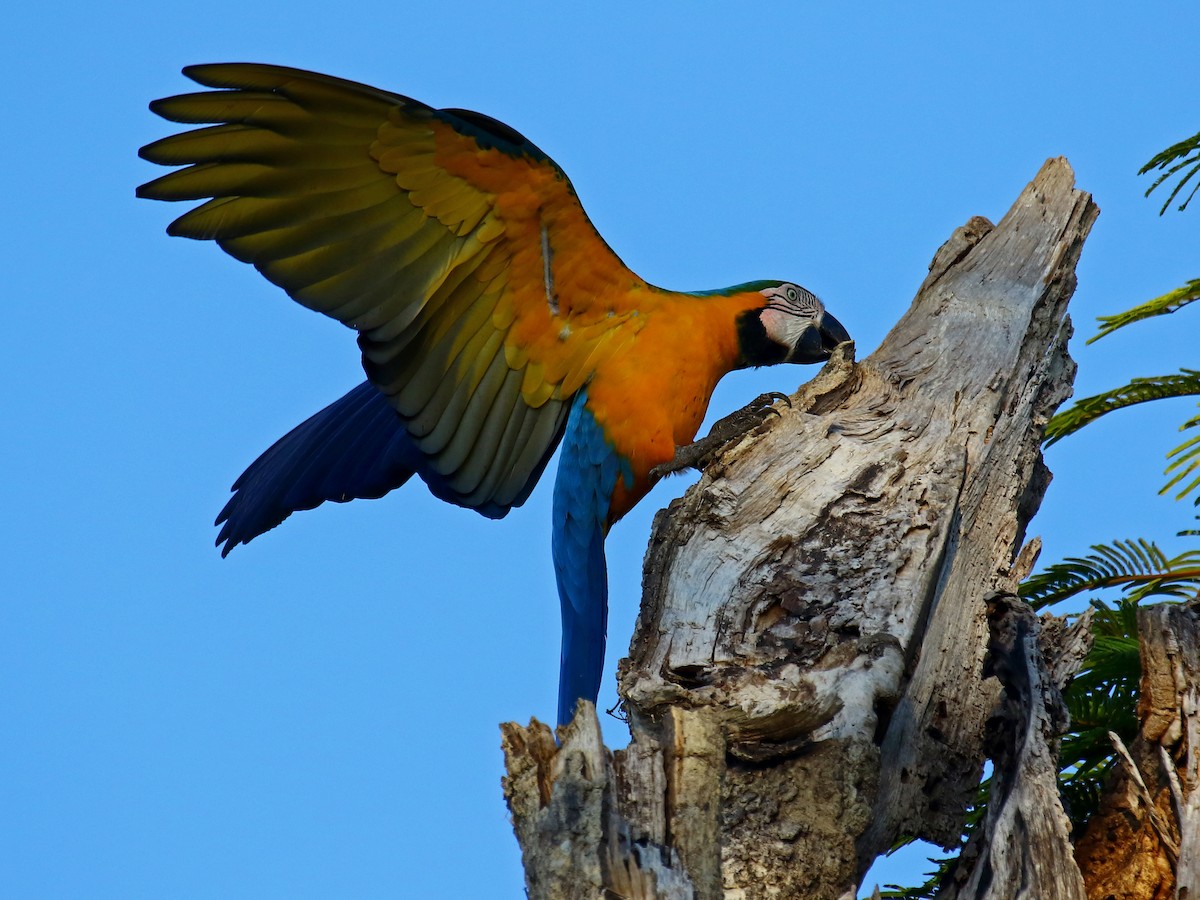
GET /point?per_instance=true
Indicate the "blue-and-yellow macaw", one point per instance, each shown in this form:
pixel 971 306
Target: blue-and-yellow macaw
pixel 494 322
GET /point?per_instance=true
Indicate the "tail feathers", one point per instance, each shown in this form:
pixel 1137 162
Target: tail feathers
pixel 587 473
pixel 355 448
pixel 583 594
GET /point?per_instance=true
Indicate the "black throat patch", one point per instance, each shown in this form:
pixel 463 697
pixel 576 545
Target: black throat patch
pixel 754 347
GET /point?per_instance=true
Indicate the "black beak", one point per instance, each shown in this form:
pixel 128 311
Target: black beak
pixel 818 341
pixel 832 332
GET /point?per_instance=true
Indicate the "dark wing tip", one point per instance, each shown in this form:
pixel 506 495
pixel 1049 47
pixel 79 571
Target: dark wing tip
pixel 163 108
pixel 355 448
pixel 231 75
pixel 288 81
pixel 158 152
pixel 230 543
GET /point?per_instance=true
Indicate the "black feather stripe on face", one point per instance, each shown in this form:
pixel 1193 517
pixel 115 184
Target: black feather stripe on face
pixel 754 347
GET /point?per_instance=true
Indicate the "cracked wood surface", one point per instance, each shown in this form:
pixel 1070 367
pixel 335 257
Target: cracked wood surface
pixel 1144 842
pixel 1023 851
pixel 808 667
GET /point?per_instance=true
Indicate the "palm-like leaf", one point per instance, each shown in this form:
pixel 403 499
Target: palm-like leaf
pixel 1170 302
pixel 1102 698
pixel 1178 157
pixel 1186 460
pixel 941 865
pixel 1137 567
pixel 926 891
pixel 1186 383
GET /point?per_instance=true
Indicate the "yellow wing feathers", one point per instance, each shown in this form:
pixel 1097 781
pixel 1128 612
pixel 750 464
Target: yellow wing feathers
pixel 482 296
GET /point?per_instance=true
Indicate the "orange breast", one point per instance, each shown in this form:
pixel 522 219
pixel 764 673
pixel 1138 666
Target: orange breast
pixel 652 398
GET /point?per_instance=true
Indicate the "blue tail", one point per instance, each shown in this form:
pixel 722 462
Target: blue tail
pixel 355 448
pixel 587 473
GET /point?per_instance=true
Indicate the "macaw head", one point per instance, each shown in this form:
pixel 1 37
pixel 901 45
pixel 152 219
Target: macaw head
pixel 791 326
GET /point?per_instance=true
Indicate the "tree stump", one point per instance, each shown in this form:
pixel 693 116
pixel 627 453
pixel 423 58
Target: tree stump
pixel 828 645
pixel 1144 843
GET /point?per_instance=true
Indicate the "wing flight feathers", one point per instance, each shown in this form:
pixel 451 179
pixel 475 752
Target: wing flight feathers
pixel 430 232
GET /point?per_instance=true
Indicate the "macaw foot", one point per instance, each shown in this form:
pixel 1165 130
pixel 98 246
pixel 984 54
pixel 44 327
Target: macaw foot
pixel 699 454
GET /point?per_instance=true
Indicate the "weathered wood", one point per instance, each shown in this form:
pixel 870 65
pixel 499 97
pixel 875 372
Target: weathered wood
pixel 566 811
pixel 1023 851
pixel 1144 842
pixel 812 642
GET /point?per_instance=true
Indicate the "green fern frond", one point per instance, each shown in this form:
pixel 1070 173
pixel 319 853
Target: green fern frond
pixel 942 866
pixel 1168 303
pixel 1114 622
pixel 1187 461
pixel 1141 390
pixel 1183 155
pixel 1081 796
pixel 1192 164
pixel 1095 703
pixel 926 891
pixel 1101 698
pixel 1138 567
pixel 1113 659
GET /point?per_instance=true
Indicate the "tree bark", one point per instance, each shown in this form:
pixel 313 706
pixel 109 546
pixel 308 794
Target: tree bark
pixel 828 643
pixel 1144 843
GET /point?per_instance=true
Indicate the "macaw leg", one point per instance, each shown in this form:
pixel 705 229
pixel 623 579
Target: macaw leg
pixel 587 473
pixel 699 454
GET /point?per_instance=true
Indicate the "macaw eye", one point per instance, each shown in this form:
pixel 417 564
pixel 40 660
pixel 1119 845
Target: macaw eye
pixel 794 300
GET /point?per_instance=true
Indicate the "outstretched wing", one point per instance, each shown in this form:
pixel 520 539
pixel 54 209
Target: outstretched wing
pixel 482 295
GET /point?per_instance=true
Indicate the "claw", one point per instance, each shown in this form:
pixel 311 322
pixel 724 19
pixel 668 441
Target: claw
pixel 698 454
pixel 766 402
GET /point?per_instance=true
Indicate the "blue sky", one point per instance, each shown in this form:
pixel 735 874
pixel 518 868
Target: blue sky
pixel 316 716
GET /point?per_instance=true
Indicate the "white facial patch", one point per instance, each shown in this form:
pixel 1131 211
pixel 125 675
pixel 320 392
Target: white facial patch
pixel 791 310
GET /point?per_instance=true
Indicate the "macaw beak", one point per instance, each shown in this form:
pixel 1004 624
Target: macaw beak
pixel 818 341
pixel 832 332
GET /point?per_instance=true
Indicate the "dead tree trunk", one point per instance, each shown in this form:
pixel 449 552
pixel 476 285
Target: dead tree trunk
pixel 828 644
pixel 1144 843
